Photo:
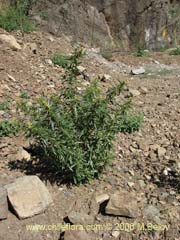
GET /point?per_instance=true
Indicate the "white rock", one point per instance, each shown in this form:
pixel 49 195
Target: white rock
pixel 156 62
pixel 10 40
pixel 49 61
pixel 11 78
pixel 138 71
pixel 28 196
pixel 130 184
pixel 166 171
pixel 134 92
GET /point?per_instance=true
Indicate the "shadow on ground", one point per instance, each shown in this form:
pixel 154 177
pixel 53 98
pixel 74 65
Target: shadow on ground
pixel 172 180
pixel 40 167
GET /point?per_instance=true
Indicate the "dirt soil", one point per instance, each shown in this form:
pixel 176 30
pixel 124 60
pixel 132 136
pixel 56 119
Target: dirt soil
pixel 153 178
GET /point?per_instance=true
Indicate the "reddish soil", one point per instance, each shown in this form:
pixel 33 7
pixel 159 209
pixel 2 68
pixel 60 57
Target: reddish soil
pixel 137 167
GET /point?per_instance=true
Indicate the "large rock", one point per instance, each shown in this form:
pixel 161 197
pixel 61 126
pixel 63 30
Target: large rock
pixel 77 235
pixel 122 204
pixel 80 218
pixel 10 40
pixel 3 203
pixel 102 198
pixel 28 196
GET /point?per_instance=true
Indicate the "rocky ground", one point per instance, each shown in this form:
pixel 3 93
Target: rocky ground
pixel 143 184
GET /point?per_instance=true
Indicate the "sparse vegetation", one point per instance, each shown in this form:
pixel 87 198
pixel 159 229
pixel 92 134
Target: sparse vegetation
pixel 175 51
pixel 76 130
pixel 151 73
pixel 164 48
pixel 141 52
pixel 131 122
pixel 24 94
pixel 8 127
pixel 24 5
pixel 61 60
pixel 4 105
pixel 15 17
pixel 70 143
pixel 164 72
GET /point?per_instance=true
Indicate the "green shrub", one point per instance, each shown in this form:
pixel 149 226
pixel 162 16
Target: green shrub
pixel 8 127
pixel 76 128
pixel 14 18
pixel 130 122
pixel 24 5
pixel 4 105
pixel 61 60
pixel 175 51
pixel 164 48
pixel 140 52
pixel 24 94
pixel 64 60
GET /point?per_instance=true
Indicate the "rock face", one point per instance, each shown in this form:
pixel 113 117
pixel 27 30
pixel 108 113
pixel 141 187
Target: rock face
pixel 28 196
pixel 138 23
pixel 122 204
pixel 3 203
pixel 76 18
